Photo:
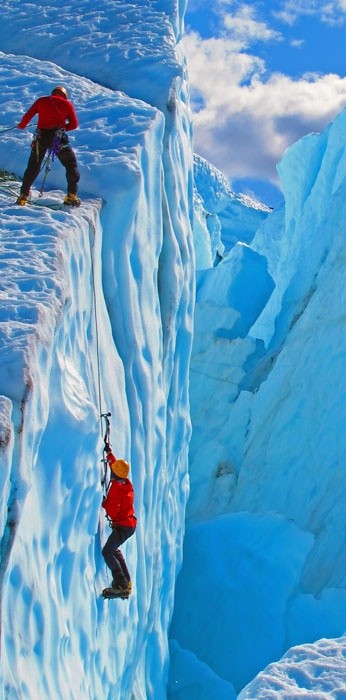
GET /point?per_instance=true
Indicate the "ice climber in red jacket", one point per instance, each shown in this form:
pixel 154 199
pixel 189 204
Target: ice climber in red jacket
pixel 119 507
pixel 56 116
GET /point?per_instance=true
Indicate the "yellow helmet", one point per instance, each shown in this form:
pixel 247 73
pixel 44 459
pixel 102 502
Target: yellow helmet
pixel 120 468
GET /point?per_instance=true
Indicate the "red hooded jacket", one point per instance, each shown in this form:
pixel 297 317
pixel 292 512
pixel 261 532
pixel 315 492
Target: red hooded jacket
pixel 118 503
pixel 54 112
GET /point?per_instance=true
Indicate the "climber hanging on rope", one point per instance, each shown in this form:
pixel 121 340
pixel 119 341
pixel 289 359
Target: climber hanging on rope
pixel 119 506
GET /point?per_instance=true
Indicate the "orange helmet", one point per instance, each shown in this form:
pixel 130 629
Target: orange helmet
pixel 120 468
pixel 60 90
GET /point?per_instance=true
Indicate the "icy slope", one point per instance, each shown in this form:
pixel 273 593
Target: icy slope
pixel 268 444
pixel 126 46
pixel 138 160
pixel 315 670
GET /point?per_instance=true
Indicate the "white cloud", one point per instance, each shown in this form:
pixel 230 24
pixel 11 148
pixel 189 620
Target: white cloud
pixel 286 16
pixel 243 25
pixel 216 64
pixel 332 12
pixel 297 43
pixel 246 122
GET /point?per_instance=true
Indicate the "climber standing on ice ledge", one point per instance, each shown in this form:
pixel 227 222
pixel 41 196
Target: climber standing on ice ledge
pixel 119 507
pixel 56 115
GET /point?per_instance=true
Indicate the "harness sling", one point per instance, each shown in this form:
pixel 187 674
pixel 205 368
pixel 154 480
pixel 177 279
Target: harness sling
pixel 52 152
pixel 106 439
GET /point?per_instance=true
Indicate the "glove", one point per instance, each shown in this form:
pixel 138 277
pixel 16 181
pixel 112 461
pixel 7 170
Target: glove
pixel 107 447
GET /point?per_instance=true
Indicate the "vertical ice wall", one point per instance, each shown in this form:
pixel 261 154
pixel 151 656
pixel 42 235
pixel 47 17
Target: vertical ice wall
pixel 304 330
pixel 50 500
pixel 272 455
pixel 137 157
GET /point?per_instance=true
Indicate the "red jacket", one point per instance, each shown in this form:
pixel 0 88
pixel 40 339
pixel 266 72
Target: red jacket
pixel 118 503
pixel 54 112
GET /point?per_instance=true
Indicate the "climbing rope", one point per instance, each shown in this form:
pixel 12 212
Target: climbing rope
pixel 97 334
pixel 103 416
pixel 11 128
pixel 8 189
pixel 46 163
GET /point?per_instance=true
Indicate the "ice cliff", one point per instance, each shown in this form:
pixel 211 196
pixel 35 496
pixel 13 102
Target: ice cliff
pixel 123 265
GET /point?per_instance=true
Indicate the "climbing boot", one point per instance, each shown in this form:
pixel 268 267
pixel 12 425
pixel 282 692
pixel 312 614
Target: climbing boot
pixel 22 200
pixel 72 200
pixel 122 591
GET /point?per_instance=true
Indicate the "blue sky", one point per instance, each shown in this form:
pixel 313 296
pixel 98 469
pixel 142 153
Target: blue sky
pixel 262 75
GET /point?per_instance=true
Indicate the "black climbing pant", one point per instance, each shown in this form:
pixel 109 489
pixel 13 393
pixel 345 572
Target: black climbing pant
pixel 39 147
pixel 113 556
